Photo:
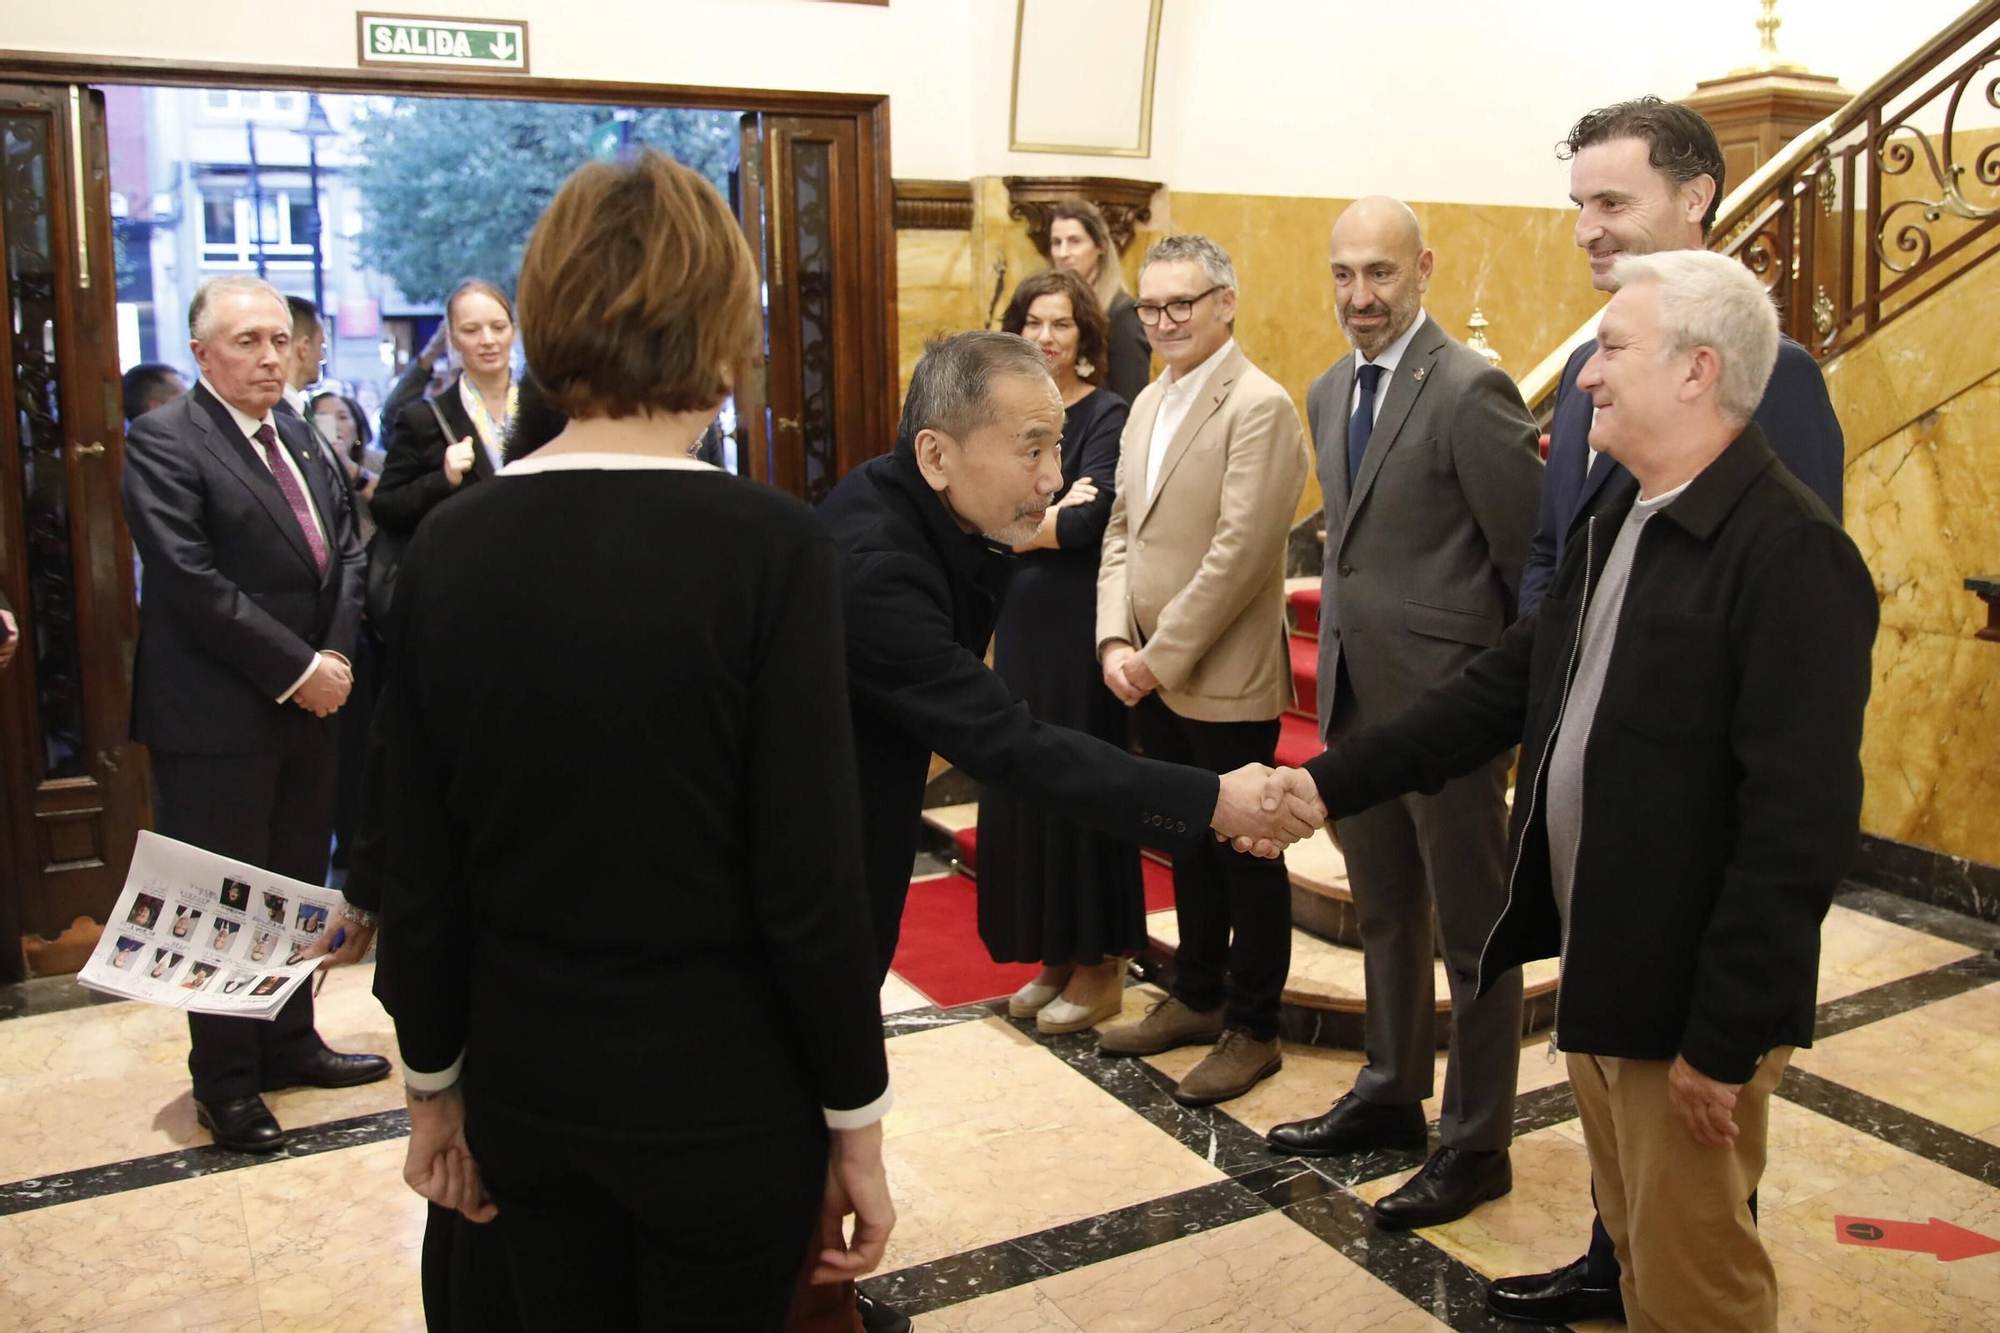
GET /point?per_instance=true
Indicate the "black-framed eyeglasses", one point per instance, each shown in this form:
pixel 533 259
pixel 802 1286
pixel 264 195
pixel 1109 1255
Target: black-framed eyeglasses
pixel 1178 312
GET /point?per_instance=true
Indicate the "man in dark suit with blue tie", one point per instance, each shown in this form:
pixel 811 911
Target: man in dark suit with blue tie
pixel 252 601
pixel 1646 176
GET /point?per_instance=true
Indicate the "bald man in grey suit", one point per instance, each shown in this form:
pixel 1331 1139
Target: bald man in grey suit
pixel 1428 463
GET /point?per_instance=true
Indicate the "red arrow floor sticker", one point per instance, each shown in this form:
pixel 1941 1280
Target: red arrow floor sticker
pixel 1936 1236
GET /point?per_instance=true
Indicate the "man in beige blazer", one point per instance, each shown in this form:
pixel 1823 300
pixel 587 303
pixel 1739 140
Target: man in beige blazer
pixel 1191 633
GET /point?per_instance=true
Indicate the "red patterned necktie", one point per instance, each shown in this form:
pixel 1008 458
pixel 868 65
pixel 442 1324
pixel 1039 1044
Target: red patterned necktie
pixel 294 497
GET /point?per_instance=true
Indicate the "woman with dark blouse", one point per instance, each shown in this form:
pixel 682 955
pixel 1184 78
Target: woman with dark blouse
pixel 626 937
pixel 439 447
pixel 1052 891
pixel 1080 243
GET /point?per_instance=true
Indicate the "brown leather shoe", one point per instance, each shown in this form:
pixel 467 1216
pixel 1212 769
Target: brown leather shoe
pixel 1168 1024
pixel 1238 1063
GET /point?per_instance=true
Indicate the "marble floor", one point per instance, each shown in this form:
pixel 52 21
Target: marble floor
pixel 1039 1187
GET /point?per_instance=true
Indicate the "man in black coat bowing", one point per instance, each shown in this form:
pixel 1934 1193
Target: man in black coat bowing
pixel 252 601
pixel 925 534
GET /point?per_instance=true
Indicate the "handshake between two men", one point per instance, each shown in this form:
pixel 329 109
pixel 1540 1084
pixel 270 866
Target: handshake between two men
pixel 1259 809
pixel 1264 810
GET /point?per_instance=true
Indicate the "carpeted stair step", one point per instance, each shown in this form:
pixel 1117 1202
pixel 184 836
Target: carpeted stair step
pixel 1302 604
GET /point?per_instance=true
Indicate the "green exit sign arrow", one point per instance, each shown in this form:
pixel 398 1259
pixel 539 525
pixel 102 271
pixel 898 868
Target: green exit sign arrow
pixel 444 43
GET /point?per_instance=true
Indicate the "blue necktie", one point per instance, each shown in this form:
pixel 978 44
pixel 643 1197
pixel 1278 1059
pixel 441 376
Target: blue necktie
pixel 1362 424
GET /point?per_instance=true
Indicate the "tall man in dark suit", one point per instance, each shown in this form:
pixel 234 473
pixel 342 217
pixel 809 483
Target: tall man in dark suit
pixel 253 597
pixel 1427 461
pixel 1646 176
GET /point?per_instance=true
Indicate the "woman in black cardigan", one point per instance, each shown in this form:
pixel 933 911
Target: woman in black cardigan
pixel 627 946
pixel 1080 241
pixel 438 447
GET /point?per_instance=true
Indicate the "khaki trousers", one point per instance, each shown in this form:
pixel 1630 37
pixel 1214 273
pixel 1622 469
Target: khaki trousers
pixel 1678 1211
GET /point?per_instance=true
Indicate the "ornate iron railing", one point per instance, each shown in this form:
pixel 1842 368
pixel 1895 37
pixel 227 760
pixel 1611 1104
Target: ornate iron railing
pixel 1873 210
pixel 1881 205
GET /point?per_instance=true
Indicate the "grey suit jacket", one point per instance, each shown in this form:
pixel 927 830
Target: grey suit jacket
pixel 1423 560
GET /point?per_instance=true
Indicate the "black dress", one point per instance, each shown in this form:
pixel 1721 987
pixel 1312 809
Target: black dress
pixel 1131 353
pixel 1050 890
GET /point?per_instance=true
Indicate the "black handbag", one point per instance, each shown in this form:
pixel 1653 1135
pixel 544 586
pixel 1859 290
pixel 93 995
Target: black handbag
pixel 385 555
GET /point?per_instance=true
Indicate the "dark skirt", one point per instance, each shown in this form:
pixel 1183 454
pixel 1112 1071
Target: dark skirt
pixel 1053 891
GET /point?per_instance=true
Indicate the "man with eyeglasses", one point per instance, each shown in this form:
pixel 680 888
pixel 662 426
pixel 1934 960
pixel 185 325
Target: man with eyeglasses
pixel 1191 634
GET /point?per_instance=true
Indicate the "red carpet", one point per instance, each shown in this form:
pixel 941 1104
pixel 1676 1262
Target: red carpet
pixel 940 953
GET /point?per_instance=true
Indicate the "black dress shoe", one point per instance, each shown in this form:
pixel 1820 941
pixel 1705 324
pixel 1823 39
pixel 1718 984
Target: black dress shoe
pixel 1450 1185
pixel 879 1318
pixel 1566 1296
pixel 1352 1126
pixel 329 1069
pixel 241 1124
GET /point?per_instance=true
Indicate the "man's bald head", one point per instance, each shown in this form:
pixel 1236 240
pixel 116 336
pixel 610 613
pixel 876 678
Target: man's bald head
pixel 1380 222
pixel 1381 271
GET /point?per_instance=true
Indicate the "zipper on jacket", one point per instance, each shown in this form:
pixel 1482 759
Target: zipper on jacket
pixel 1534 788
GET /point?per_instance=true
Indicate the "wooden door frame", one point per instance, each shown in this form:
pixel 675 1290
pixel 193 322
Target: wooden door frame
pixel 869 113
pixel 111 797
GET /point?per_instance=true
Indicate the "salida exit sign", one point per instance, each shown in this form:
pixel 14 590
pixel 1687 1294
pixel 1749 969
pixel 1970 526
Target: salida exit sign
pixel 444 43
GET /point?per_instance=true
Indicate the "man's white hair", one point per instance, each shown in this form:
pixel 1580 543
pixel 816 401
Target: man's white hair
pixel 201 310
pixel 1710 300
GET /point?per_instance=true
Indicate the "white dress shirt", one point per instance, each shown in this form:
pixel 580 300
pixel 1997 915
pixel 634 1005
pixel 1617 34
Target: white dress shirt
pixel 1177 395
pixel 1392 356
pixel 249 425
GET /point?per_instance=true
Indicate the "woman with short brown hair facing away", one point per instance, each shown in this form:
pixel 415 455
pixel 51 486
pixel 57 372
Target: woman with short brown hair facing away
pixel 627 944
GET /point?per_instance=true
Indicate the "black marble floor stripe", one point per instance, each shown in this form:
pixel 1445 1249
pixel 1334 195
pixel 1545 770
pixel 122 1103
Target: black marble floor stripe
pixel 50 995
pixel 1904 994
pixel 1063 1249
pixel 930 1018
pixel 1544 1108
pixel 1929 918
pixel 1209 1132
pixel 1907 1130
pixel 95 1182
pixel 1451 1290
pixel 1435 1281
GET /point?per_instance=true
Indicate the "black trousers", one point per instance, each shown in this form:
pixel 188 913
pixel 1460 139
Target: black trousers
pixel 1235 909
pixel 272 808
pixel 604 1233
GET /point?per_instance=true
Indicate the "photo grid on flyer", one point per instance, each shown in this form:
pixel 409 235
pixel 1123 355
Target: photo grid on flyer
pixel 196 931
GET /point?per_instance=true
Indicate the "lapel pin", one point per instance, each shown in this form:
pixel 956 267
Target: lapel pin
pixel 1420 374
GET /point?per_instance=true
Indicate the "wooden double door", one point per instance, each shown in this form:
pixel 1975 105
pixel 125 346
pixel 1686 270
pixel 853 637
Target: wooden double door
pixel 74 791
pixel 814 198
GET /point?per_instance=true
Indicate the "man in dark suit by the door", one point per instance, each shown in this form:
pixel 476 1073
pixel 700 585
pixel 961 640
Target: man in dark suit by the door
pixel 1645 176
pixel 253 597
pixel 1427 462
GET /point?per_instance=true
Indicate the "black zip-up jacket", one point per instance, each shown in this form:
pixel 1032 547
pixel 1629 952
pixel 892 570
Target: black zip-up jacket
pixel 1722 776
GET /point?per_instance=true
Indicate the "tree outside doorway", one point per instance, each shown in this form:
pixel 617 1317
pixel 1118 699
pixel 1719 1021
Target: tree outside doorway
pixel 452 188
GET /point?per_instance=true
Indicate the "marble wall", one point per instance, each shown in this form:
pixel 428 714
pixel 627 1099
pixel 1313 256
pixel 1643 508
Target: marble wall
pixel 1519 265
pixel 1920 402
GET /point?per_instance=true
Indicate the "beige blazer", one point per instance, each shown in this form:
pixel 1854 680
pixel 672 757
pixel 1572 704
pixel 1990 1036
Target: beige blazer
pixel 1194 573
